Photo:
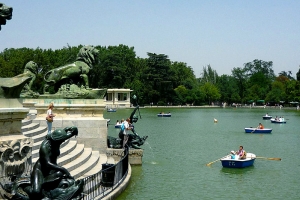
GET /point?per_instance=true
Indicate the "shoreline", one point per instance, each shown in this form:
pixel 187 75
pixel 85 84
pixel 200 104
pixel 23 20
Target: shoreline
pixel 207 106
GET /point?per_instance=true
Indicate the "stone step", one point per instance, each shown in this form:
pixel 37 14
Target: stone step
pixel 97 167
pixel 39 137
pixel 26 122
pixel 82 159
pixel 36 145
pixel 68 148
pixel 82 165
pixel 72 155
pixel 34 132
pixel 64 150
pixel 30 127
pixel 32 114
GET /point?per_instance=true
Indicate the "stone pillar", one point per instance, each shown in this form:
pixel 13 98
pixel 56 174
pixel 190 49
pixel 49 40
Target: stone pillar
pixel 15 149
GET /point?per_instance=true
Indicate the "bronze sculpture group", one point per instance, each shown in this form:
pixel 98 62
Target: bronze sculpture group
pixel 74 72
pixel 134 140
pixel 48 180
pixel 70 81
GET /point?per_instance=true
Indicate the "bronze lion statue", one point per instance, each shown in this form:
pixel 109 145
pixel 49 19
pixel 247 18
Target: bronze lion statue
pixel 5 13
pixel 31 70
pixel 71 73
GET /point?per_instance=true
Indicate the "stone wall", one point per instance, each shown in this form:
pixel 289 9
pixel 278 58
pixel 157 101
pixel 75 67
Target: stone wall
pixel 85 114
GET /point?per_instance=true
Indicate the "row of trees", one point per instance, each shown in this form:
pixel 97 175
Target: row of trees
pixel 158 79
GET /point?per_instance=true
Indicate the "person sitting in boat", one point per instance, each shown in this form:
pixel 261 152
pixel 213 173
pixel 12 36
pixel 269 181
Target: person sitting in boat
pixel 118 123
pixel 241 153
pixel 267 115
pixel 232 154
pixel 260 126
pixel 276 118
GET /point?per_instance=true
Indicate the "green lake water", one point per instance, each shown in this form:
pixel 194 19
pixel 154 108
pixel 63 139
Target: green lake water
pixel 178 149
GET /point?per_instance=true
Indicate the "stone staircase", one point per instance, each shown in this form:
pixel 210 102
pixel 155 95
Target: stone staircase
pixel 77 159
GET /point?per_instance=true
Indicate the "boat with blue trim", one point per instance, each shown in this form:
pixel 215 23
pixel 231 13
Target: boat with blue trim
pixel 256 130
pixel 267 117
pixel 164 115
pixel 229 162
pixel 278 121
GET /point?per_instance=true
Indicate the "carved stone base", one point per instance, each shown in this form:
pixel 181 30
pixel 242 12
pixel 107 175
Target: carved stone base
pixel 135 155
pixel 15 149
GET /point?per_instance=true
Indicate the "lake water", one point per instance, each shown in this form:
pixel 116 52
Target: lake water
pixel 178 149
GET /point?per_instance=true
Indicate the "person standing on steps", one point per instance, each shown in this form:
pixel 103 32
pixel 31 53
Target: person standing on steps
pixel 50 117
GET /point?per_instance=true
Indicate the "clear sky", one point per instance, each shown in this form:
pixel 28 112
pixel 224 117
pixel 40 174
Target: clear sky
pixel 222 33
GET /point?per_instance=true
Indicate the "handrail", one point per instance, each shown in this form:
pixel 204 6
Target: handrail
pixel 106 180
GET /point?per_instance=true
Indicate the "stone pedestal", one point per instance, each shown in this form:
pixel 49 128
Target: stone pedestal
pixel 85 114
pixel 15 149
pixel 135 155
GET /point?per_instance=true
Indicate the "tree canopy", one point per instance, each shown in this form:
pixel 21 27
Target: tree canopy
pixel 159 80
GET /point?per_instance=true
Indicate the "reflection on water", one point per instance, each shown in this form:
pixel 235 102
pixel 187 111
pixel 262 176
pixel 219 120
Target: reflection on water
pixel 237 170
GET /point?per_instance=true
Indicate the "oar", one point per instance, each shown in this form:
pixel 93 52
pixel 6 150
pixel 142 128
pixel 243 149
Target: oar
pixel 208 164
pixel 269 158
pixel 254 130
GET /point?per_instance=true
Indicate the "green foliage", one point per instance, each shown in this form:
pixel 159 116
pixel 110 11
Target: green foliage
pixel 157 78
pixel 211 92
pixel 229 90
pixel 208 75
pixel 277 92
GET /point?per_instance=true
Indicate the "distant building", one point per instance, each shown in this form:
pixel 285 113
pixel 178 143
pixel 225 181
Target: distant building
pixel 118 98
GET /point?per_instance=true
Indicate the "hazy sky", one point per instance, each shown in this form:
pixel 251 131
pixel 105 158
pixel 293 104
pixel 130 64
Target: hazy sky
pixel 222 33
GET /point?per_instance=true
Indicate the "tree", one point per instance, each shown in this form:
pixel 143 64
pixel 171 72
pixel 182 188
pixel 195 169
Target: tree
pixel 183 75
pixel 261 75
pixel 210 92
pixel 208 75
pixel 158 76
pixel 115 66
pixel 298 74
pixel 229 89
pixel 286 74
pixel 181 92
pixel 240 77
pixel 277 92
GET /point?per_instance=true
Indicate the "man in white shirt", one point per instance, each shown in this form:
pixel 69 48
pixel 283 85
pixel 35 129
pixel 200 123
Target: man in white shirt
pixel 126 131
